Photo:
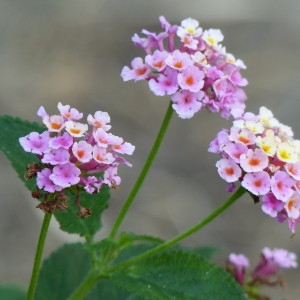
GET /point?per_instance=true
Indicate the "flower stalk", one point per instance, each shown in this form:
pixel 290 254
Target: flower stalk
pixel 144 171
pixel 38 257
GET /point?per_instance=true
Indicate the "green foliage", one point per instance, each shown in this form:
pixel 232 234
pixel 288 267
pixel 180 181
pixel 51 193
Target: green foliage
pixel 172 274
pixel 11 130
pixel 106 251
pixel 87 227
pixel 62 272
pixel 178 274
pixel 12 292
pixel 107 291
pixel 205 251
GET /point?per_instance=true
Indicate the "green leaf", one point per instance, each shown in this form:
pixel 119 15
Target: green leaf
pixel 204 251
pixel 107 291
pixel 62 272
pixel 178 274
pixel 133 250
pixel 128 238
pixel 107 250
pixel 11 130
pixel 172 274
pixel 87 227
pixel 12 292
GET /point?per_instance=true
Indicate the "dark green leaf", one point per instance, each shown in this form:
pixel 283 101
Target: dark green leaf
pixel 107 291
pixel 133 250
pixel 11 130
pixel 12 292
pixel 204 251
pixel 173 274
pixel 65 269
pixel 69 220
pixel 178 274
pixel 62 272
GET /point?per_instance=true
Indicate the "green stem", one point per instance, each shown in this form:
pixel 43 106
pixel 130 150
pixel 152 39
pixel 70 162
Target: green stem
pixel 85 287
pixel 234 197
pixel 38 257
pixel 144 171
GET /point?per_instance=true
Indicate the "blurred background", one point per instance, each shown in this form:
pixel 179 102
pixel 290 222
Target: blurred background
pixel 73 52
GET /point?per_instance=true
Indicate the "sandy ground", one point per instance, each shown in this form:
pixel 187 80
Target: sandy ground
pixel 73 52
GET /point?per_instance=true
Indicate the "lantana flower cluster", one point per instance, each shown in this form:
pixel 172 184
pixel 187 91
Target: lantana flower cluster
pixel 72 155
pixel 195 70
pixel 266 272
pixel 261 153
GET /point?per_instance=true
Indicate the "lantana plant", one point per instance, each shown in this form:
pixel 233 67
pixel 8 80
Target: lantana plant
pixel 70 166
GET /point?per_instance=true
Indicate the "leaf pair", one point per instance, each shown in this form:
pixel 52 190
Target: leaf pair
pixel 173 274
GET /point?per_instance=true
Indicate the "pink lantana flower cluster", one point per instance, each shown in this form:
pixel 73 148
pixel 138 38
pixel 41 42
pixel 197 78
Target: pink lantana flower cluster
pixel 72 155
pixel 261 153
pixel 197 73
pixel 266 272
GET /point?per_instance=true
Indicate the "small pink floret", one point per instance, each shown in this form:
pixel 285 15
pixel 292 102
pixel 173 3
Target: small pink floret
pixel 186 104
pixel 239 260
pixel 65 175
pixel 56 156
pixel 293 170
pixel 228 170
pixel 235 150
pixel 157 60
pixel 254 160
pixel 82 151
pixel 191 79
pixel 282 257
pixel 282 185
pixel 101 155
pixel 139 70
pixel 271 205
pixel 44 182
pixel 99 120
pixel 69 113
pixel 61 141
pixel 179 60
pixel 292 206
pixel 258 183
pixel 165 83
pixel 35 142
